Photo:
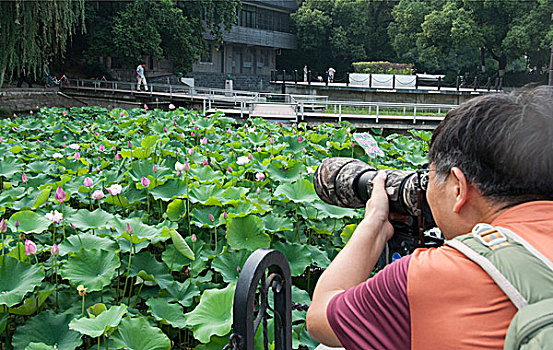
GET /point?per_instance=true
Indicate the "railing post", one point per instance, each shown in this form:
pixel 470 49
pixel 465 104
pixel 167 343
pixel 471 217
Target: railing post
pixel 489 83
pixel 370 80
pixel 457 83
pixel 393 81
pixel 295 77
pixel 309 78
pixel 416 82
pixel 347 79
pixel 475 82
pixel 280 281
pixel 439 83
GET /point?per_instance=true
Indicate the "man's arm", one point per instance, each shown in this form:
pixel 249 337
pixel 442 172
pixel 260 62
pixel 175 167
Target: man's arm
pixel 354 264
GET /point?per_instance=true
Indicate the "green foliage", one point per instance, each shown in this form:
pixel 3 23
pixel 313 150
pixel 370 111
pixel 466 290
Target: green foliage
pixel 177 247
pixel 35 31
pixel 166 28
pixel 383 68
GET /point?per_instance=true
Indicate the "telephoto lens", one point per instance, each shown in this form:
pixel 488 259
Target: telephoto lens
pixel 348 183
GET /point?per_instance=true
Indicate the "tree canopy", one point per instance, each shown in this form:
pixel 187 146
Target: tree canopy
pixel 35 31
pixel 164 28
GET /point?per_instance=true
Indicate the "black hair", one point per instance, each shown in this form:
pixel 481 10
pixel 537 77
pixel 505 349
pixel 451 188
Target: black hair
pixel 503 143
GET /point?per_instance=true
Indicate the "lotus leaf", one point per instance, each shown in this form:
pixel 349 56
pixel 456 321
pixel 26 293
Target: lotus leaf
pixel 166 313
pixel 275 223
pixel 297 255
pixel 247 233
pixel 169 190
pixel 92 268
pixel 39 346
pixel 230 263
pixel 213 315
pixel 17 279
pixel 301 191
pixel 151 338
pixel 207 195
pixel 86 241
pixel 181 245
pixel 86 220
pixel 184 293
pixel 48 328
pixel 31 305
pixel 145 266
pixel 100 325
pixel 175 210
pixel 29 222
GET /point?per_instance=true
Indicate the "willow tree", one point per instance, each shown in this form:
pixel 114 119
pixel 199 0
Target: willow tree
pixel 32 32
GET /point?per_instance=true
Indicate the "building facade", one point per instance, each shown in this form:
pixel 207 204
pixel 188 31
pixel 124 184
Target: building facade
pixel 249 50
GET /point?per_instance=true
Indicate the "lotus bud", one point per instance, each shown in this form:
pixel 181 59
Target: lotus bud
pixel 3 226
pixel 204 141
pixel 164 129
pixel 30 247
pixel 77 156
pixel 211 218
pixel 144 181
pixel 225 215
pixel 258 190
pixel 60 195
pixel 16 223
pixel 88 182
pixel 204 163
pixel 191 151
pixel 122 114
pixel 55 250
pixel 193 238
pixel 154 168
pixel 101 147
pixel 129 229
pixel 98 194
pixel 24 178
pixel 82 290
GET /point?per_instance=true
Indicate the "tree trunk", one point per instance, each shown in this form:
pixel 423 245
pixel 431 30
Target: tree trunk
pixel 502 65
pixel 483 59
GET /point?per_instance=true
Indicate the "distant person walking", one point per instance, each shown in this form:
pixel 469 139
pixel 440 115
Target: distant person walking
pixel 48 78
pixel 305 73
pixel 141 78
pixel 24 77
pixel 331 71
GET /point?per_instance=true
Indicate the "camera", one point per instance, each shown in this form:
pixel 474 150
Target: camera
pixel 348 183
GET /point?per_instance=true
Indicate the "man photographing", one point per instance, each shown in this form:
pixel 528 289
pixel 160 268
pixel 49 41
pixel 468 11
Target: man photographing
pixel 491 162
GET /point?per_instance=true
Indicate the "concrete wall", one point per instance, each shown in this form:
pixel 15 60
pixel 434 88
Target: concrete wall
pixel 342 93
pixel 240 82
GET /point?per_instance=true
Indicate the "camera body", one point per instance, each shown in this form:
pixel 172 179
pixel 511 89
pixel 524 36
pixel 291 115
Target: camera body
pixel 348 183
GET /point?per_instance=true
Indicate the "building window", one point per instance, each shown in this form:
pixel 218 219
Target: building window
pixel 247 16
pixel 206 56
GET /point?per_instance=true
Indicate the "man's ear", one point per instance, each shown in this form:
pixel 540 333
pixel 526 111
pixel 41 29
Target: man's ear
pixel 461 187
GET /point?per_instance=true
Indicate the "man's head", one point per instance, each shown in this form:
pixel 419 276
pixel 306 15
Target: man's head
pixel 502 144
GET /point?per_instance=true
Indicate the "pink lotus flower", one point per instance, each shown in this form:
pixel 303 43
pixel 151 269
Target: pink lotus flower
pixel 3 226
pixel 171 106
pixel 55 250
pixel 229 131
pixel 154 168
pixel 144 181
pixel 65 138
pixel 193 238
pixel 191 151
pixel 304 150
pixel 175 123
pixel 1 140
pixel 60 195
pixel 122 114
pixel 204 163
pixel 77 156
pixel 195 127
pixel 129 144
pixel 258 190
pixel 118 157
pixel 64 113
pixel 164 129
pixel 229 169
pixel 300 139
pixel 24 178
pixel 211 218
pixel 145 107
pixel 30 247
pixel 204 141
pixel 186 166
pixel 101 147
pixel 258 149
pixel 129 229
pixel 98 194
pixel 260 176
pixel 225 215
pixel 114 189
pixel 271 140
pixel 250 156
pixel 192 134
pixel 88 182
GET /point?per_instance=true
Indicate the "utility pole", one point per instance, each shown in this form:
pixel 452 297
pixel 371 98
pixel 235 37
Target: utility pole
pixel 551 61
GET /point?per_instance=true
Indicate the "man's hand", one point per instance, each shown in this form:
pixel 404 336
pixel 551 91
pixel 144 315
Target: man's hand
pixel 354 264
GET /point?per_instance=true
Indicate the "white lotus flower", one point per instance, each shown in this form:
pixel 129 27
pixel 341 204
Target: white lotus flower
pixel 57 155
pixel 242 160
pixel 114 189
pixel 74 146
pixel 54 216
pixel 179 166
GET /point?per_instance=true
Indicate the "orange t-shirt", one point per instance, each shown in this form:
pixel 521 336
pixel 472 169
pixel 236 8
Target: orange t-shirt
pixel 453 303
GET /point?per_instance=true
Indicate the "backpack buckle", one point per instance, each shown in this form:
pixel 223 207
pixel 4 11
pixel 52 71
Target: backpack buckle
pixel 489 236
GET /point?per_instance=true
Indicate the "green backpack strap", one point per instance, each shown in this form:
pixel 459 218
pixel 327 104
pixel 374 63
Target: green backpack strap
pixel 524 275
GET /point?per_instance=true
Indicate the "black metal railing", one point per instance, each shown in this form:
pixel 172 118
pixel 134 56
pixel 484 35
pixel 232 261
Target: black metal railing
pixel 265 269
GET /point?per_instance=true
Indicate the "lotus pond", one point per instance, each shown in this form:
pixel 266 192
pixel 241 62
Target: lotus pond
pixel 128 228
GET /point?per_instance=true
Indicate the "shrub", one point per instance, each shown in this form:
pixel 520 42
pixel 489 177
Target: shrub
pixel 382 67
